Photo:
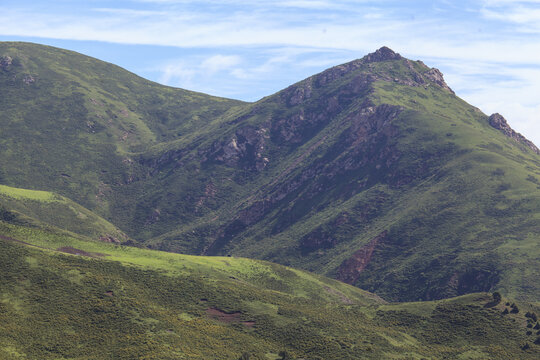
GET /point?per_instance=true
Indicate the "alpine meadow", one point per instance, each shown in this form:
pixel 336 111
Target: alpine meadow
pixel 366 212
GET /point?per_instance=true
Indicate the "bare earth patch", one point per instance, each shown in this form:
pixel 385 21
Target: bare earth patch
pixel 228 318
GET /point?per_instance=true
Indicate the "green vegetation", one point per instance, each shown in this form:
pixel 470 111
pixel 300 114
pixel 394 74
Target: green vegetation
pixel 43 208
pixel 122 302
pixel 372 172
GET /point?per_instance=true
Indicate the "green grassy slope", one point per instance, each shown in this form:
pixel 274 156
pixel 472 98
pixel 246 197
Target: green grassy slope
pixel 372 172
pixel 43 208
pixel 71 124
pixel 118 302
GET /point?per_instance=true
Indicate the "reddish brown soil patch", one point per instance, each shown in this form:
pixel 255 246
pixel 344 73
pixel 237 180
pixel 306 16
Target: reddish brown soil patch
pixel 72 250
pixel 350 269
pixel 223 316
pixel 228 317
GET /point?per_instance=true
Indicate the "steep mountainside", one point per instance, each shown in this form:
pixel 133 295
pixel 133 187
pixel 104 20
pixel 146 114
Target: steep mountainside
pixel 373 172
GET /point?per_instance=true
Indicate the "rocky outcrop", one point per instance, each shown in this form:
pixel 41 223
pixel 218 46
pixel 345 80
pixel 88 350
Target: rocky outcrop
pixel 336 72
pixel 382 54
pixel 210 192
pixel 109 239
pixel 359 146
pixel 244 149
pixel 414 76
pixel 153 217
pixel 297 94
pixel 499 122
pixel 437 77
pixel 317 240
pixel 298 126
pixel 244 218
pixel 349 271
pixel 5 62
pixel 28 79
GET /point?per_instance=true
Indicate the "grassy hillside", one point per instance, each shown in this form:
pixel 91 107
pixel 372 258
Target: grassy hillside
pixel 71 124
pixel 372 172
pixel 63 298
pixel 43 208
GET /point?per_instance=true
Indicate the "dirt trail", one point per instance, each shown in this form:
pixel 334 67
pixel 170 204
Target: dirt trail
pixel 228 317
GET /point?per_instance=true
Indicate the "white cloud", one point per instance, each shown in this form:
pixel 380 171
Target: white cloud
pixel 198 73
pixel 177 73
pixel 219 62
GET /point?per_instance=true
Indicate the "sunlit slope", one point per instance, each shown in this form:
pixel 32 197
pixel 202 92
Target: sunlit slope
pixel 64 298
pixel 42 208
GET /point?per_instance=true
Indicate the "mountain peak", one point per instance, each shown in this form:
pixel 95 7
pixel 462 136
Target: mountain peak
pixel 499 122
pixel 382 54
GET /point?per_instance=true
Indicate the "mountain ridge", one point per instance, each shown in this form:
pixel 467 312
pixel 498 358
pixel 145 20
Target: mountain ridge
pixel 308 177
pixel 372 172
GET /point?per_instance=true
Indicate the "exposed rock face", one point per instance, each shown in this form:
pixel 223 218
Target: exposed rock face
pixel 383 54
pixel 351 268
pixel 300 125
pixel 295 95
pixel 415 76
pixel 244 149
pixel 315 240
pixel 499 122
pixel 5 62
pixel 437 77
pixel 109 239
pixel 210 192
pixel 153 217
pixel 360 147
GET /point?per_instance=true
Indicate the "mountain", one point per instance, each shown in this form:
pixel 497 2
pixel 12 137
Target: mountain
pixel 63 297
pixel 372 172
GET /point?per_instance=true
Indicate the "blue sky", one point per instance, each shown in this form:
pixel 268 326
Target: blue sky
pixel 489 50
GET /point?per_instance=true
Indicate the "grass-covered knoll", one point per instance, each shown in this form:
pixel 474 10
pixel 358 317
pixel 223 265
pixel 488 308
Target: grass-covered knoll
pixel 43 208
pixel 247 271
pixel 126 303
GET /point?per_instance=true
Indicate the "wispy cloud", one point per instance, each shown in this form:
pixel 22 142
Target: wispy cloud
pixel 524 14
